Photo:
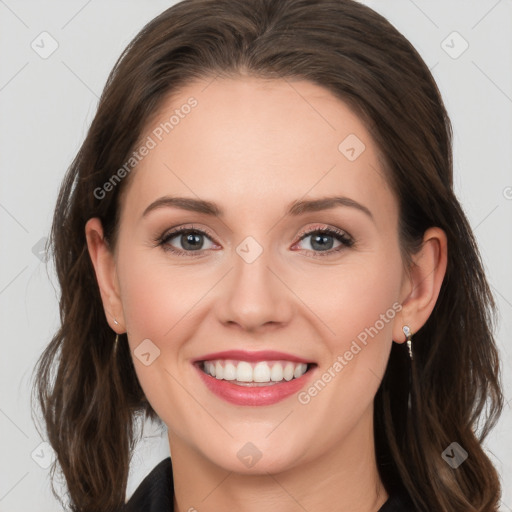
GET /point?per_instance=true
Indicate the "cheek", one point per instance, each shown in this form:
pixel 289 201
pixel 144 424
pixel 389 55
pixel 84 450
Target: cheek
pixel 155 295
pixel 351 298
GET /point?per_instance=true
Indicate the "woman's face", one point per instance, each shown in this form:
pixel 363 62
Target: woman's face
pixel 281 276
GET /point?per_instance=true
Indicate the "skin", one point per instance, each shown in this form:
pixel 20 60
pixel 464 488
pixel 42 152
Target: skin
pixel 254 147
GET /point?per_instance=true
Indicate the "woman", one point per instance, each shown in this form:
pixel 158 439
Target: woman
pixel 259 245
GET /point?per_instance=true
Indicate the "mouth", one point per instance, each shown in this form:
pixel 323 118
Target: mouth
pixel 245 378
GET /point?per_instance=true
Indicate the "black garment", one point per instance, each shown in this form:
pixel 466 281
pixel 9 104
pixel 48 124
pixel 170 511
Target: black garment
pixel 156 494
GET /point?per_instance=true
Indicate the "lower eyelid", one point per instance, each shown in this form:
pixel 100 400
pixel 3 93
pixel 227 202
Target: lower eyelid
pixel 329 252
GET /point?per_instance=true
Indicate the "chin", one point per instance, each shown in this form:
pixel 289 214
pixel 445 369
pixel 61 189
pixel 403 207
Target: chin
pixel 256 455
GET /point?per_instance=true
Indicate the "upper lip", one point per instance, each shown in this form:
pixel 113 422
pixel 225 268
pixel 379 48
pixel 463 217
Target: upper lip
pixel 243 355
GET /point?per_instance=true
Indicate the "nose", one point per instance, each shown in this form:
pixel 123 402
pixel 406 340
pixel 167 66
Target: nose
pixel 255 296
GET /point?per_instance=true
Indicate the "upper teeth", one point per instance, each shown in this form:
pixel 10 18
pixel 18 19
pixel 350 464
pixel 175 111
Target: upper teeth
pixel 262 371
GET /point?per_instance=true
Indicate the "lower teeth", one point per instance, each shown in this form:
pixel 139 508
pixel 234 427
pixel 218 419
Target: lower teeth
pixel 251 384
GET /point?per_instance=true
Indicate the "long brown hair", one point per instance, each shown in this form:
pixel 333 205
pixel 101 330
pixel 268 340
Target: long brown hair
pixel 89 394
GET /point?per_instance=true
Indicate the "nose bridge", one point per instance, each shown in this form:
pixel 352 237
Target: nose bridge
pixel 254 295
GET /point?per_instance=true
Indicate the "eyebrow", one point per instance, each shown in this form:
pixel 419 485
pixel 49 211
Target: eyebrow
pixel 295 209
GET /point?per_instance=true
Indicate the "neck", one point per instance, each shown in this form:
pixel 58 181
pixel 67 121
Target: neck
pixel 342 479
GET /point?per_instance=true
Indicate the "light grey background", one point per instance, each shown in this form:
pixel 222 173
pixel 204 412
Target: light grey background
pixel 47 104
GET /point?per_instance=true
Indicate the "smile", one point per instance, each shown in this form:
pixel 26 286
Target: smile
pixel 255 379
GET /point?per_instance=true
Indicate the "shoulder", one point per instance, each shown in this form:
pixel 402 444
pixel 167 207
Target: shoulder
pixel 155 492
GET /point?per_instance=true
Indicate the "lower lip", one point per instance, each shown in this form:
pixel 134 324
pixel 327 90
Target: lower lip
pixel 253 395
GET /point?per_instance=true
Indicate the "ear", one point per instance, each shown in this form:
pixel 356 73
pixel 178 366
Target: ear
pixel 105 268
pixel 422 285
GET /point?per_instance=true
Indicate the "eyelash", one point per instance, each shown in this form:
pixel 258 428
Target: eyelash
pixel 338 234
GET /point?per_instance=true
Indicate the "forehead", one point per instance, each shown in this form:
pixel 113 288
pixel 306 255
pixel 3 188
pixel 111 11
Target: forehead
pixel 250 141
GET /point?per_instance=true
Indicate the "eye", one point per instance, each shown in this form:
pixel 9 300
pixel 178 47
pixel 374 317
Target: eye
pixel 189 240
pixel 322 241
